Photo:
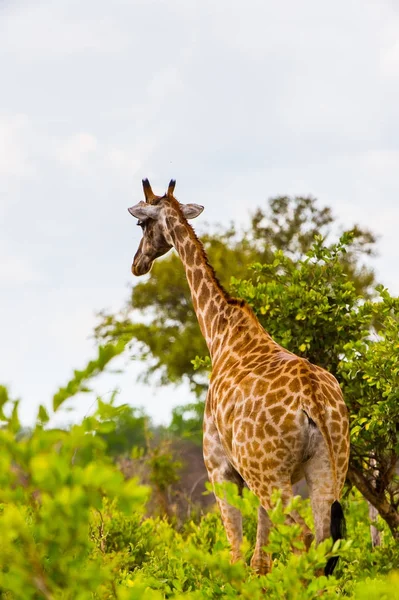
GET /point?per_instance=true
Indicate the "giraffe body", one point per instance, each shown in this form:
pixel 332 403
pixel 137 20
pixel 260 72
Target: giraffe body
pixel 271 417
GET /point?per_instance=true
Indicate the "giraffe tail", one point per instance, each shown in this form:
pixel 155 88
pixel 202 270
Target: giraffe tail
pixel 338 531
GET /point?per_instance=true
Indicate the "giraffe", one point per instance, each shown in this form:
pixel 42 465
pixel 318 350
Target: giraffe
pixel 271 417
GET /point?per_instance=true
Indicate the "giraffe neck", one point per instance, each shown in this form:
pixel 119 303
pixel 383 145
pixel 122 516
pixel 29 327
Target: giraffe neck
pixel 209 298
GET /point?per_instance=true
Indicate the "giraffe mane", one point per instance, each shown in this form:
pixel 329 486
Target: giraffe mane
pixel 229 299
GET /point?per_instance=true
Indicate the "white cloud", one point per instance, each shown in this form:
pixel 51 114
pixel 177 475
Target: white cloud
pixel 77 150
pixel 383 162
pixel 49 30
pixel 15 270
pixel 14 159
pixel 123 161
pixel 84 152
pixel 390 60
pixel 165 83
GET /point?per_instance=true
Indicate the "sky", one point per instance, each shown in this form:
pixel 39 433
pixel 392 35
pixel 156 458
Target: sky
pixel 237 101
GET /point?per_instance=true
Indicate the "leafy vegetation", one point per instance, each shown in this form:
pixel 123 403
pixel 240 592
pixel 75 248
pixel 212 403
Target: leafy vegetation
pixel 74 528
pixel 312 308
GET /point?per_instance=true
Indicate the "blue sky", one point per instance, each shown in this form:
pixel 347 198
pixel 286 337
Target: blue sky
pixel 237 101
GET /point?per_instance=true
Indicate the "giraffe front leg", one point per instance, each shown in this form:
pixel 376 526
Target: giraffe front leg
pixel 232 520
pixel 220 470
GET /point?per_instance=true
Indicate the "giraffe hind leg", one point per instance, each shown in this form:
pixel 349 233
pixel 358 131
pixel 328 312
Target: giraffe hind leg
pixel 261 561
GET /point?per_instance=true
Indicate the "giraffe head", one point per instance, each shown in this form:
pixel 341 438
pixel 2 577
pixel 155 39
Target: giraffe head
pixel 151 215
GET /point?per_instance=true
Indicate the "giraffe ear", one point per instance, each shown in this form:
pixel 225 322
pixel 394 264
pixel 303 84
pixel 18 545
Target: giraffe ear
pixel 171 187
pixel 144 211
pixel 190 211
pixel 148 193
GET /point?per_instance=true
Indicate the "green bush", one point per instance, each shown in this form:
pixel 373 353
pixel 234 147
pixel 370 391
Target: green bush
pixel 73 528
pixel 51 483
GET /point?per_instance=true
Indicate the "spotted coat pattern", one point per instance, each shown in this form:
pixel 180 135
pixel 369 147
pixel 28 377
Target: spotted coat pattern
pixel 271 417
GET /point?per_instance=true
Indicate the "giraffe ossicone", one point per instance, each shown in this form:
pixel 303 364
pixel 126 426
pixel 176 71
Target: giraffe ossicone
pixel 271 417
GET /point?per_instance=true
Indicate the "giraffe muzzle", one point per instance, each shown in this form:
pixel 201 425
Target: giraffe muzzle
pixel 141 266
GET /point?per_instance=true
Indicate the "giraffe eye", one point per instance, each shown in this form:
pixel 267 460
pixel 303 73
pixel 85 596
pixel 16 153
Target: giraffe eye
pixel 140 224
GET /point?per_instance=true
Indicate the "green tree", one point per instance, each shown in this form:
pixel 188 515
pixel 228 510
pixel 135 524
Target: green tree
pixel 187 421
pixel 291 224
pixel 312 308
pixel 370 375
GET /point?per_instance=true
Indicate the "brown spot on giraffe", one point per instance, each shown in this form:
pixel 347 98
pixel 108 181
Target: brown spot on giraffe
pixel 270 415
pixel 280 382
pixel 294 385
pixel 276 413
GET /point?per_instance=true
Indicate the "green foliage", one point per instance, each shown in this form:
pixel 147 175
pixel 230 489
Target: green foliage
pixel 312 308
pixel 291 225
pixel 187 421
pixel 308 306
pixel 123 428
pixel 50 483
pixel 74 528
pixel 370 374
pixel 163 468
pixel 203 569
pixel 80 378
pixel 387 589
